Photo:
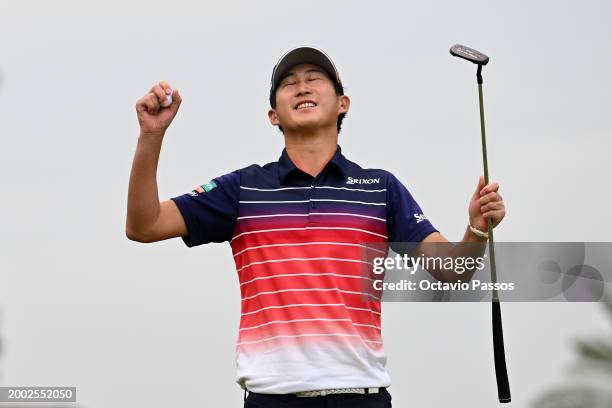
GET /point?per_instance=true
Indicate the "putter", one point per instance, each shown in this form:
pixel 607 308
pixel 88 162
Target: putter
pixel 501 372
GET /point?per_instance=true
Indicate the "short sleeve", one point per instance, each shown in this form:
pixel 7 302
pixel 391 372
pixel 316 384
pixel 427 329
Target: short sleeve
pixel 405 219
pixel 210 210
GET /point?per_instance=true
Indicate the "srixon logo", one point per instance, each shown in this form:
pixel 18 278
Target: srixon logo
pixel 352 180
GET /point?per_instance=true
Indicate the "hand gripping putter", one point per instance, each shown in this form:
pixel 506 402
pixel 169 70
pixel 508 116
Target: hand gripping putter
pixel 501 372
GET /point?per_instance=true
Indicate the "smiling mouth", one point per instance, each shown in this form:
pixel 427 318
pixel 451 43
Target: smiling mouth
pixel 305 105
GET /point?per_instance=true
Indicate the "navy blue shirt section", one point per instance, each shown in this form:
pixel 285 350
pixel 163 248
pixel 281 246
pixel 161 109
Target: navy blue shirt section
pixel 211 215
pixel 405 219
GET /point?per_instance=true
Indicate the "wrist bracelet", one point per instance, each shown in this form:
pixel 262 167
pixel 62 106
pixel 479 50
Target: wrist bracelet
pixel 478 232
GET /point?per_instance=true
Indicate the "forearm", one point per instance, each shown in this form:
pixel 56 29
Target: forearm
pixel 470 247
pixel 143 199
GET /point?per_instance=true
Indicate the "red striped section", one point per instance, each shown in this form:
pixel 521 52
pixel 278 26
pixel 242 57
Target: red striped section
pixel 315 234
pixel 294 265
pixel 360 312
pixel 283 283
pixel 303 251
pixel 295 295
pixel 343 278
pixel 309 250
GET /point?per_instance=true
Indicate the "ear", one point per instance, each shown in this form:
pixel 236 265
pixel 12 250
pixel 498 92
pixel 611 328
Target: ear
pixel 273 117
pixel 345 103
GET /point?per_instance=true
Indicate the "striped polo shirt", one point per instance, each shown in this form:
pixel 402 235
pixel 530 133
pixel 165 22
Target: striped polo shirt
pixel 297 242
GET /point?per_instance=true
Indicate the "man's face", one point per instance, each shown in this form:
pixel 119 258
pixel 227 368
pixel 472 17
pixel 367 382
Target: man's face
pixel 306 100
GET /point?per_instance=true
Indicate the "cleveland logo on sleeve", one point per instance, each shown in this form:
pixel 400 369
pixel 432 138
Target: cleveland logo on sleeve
pixel 203 188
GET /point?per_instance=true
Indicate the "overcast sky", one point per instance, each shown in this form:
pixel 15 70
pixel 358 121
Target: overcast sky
pixel 152 325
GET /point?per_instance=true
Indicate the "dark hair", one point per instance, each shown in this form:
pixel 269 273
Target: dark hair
pixel 339 91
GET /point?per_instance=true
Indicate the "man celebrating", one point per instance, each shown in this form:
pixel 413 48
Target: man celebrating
pixel 296 228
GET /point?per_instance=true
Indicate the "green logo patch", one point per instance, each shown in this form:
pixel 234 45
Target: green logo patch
pixel 209 186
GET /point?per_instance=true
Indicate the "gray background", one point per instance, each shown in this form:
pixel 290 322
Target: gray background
pixel 155 325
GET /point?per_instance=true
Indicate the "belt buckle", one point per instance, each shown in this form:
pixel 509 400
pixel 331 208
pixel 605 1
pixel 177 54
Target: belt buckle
pixel 313 393
pixel 307 393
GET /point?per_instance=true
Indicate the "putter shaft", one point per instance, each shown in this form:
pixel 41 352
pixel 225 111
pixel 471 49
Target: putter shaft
pixel 499 354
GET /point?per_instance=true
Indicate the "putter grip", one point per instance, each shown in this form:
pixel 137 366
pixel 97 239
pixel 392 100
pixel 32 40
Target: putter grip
pixel 501 372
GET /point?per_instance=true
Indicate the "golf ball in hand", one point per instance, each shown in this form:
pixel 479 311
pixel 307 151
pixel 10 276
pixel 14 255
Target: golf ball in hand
pixel 168 100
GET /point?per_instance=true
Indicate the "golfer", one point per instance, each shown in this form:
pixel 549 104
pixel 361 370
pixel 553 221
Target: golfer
pixel 296 226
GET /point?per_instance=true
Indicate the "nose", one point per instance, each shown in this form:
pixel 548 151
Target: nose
pixel 302 88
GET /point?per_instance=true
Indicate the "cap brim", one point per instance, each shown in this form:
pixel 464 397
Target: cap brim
pixel 303 55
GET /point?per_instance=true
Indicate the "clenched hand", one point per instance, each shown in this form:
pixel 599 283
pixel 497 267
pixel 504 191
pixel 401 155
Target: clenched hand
pixel 486 203
pixel 152 117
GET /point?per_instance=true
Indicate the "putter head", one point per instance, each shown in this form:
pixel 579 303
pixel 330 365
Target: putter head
pixel 469 54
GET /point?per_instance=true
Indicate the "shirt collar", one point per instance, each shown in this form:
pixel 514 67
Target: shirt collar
pixel 286 167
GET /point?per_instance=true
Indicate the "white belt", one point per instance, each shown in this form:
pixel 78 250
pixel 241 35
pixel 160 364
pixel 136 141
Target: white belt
pixel 316 393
